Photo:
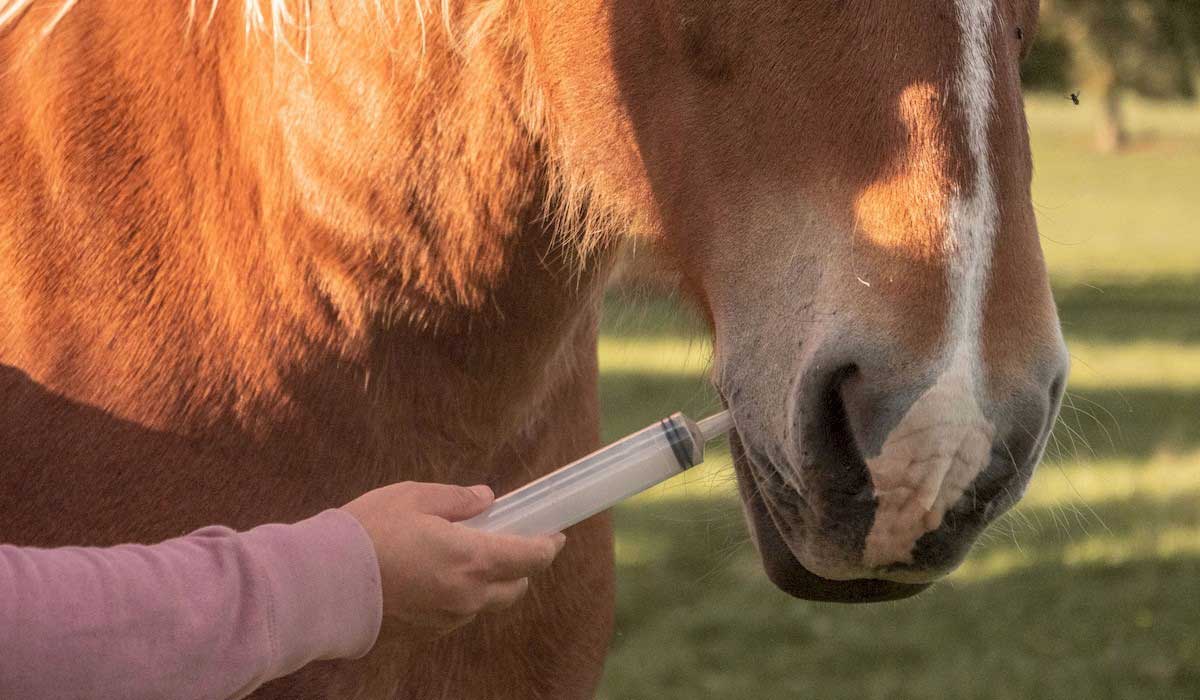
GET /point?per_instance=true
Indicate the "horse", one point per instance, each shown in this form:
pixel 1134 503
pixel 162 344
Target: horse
pixel 260 256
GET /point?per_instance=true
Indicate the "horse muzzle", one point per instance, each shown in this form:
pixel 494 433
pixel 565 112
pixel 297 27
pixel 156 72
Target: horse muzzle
pixel 882 484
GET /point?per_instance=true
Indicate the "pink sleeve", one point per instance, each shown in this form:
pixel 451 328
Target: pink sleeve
pixel 210 615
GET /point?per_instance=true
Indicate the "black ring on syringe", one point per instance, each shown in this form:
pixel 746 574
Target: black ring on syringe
pixel 680 440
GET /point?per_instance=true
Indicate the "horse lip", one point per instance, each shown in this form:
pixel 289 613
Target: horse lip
pixel 786 572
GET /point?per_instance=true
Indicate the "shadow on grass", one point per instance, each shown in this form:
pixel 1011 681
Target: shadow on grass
pixel 1126 423
pixel 1162 309
pixel 697 618
pixel 1095 424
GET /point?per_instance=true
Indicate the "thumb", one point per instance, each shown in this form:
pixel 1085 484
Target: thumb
pixel 454 502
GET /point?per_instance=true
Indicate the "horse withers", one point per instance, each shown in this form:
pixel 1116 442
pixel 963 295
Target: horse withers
pixel 259 256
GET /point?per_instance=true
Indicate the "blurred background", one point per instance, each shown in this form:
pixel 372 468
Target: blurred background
pixel 1091 588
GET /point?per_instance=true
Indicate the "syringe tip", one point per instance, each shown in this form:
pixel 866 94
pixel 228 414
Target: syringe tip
pixel 715 425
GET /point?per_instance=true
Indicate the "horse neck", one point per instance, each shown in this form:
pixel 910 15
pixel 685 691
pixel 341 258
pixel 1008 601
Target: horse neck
pixel 368 224
pixel 438 274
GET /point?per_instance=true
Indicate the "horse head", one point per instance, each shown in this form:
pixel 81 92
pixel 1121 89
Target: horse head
pixel 846 190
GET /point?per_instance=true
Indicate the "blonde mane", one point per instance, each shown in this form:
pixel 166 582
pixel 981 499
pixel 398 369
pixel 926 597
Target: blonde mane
pixel 274 18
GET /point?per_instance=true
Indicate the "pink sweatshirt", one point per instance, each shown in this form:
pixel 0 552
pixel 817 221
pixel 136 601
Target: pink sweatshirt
pixel 213 614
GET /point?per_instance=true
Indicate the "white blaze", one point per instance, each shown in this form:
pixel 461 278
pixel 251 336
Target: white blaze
pixel 944 441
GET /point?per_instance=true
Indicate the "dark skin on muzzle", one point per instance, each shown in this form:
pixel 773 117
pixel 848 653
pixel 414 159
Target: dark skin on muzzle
pixel 790 576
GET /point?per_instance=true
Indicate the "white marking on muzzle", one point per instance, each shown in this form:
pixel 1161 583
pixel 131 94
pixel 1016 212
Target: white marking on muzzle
pixel 931 457
pixel 926 464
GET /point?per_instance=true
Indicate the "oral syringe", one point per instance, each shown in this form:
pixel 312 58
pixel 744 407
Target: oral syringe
pixel 605 477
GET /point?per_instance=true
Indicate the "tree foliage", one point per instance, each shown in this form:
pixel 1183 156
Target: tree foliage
pixel 1106 47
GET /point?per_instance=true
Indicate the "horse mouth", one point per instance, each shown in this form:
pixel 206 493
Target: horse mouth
pixel 781 565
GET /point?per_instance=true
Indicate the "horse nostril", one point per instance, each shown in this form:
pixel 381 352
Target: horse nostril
pixel 839 414
pixel 830 458
pixel 1058 388
pixel 869 408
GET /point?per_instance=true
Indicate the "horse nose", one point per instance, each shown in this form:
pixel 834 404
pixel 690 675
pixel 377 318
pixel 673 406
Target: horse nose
pixel 937 460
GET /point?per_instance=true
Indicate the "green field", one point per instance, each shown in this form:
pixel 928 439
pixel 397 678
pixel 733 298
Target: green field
pixel 1090 589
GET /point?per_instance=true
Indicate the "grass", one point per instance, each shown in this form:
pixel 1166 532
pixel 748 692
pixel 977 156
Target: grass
pixel 1106 218
pixel 1090 589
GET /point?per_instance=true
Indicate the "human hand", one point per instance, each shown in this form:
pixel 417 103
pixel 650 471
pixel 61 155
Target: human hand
pixel 438 575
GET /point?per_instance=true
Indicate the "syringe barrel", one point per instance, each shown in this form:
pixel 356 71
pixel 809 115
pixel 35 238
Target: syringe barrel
pixel 598 481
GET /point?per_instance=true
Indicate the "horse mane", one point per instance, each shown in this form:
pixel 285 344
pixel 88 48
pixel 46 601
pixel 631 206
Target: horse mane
pixel 586 222
pixel 274 18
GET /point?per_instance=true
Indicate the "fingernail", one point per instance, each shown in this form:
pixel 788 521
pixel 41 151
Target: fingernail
pixel 560 540
pixel 483 491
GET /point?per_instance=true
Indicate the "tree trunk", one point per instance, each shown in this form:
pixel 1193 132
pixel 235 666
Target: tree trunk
pixel 1111 134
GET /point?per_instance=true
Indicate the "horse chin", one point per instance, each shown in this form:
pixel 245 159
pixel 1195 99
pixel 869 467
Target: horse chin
pixel 790 576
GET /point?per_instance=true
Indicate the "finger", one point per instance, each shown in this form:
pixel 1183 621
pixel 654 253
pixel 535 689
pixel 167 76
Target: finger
pixel 512 557
pixel 452 502
pixel 503 594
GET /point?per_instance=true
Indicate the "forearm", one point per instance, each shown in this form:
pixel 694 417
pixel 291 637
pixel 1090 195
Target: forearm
pixel 210 615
